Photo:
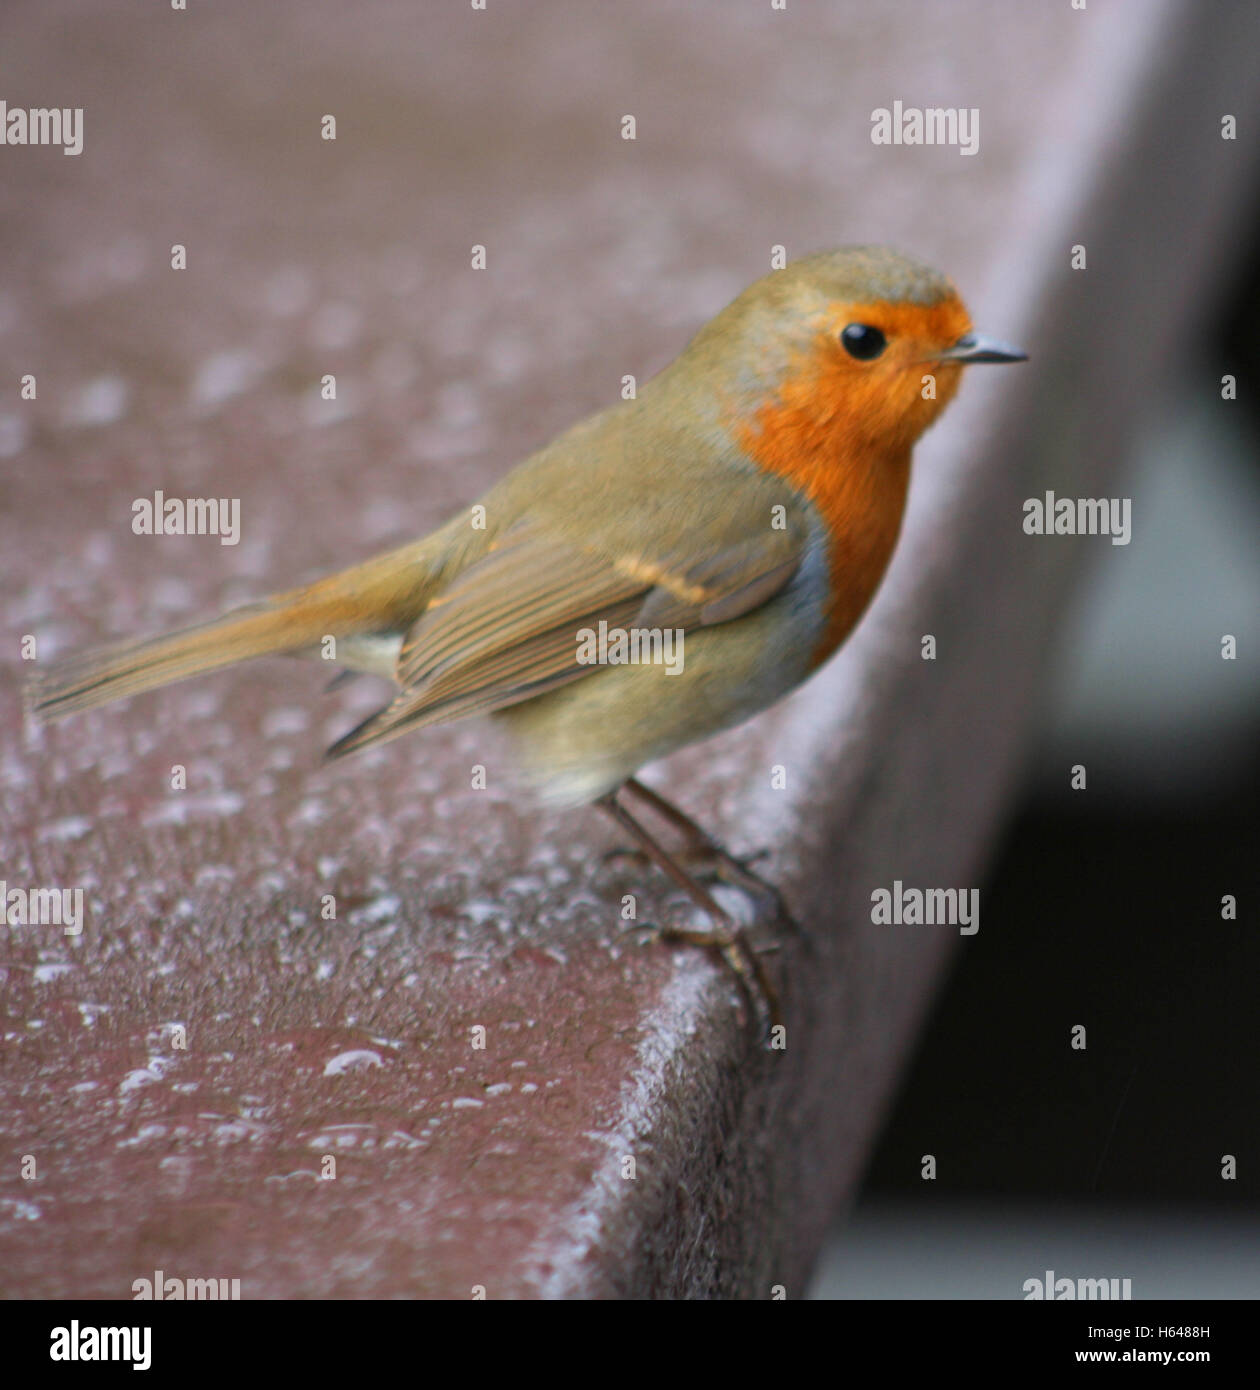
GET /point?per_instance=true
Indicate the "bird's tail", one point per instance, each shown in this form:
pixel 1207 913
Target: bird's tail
pixel 383 595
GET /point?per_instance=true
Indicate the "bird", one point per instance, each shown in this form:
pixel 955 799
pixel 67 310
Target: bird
pixel 745 502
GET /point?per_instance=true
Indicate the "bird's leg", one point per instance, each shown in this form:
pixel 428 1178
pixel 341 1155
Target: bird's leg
pixel 724 935
pixel 702 851
pixel 697 836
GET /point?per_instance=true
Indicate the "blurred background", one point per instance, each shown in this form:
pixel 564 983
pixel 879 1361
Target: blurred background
pixel 1105 910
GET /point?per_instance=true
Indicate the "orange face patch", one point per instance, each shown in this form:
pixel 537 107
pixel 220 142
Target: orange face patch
pixel 840 430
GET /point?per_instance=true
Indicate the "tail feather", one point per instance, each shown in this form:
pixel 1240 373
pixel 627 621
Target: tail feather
pixel 383 595
pixel 82 681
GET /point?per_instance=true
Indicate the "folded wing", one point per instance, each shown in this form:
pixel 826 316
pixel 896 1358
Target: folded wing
pixel 507 628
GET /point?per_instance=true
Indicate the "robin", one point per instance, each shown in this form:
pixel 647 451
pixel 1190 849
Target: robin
pixel 664 570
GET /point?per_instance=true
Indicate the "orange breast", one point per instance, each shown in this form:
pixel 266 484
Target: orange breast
pixel 857 485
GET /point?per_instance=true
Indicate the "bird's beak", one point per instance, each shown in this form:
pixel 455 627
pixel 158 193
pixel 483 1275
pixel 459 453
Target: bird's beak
pixel 975 347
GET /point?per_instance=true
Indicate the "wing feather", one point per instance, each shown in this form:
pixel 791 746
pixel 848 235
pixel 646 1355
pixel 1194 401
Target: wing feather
pixel 506 628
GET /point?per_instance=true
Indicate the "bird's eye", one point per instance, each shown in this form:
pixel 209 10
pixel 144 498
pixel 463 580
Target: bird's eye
pixel 862 341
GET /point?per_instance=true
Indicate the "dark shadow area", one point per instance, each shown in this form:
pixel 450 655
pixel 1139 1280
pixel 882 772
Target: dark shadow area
pixel 1111 920
pixel 1106 911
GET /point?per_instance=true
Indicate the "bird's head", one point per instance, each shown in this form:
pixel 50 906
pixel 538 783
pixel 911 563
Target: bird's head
pixel 848 352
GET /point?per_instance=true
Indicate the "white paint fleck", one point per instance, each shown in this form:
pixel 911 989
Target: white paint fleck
pixel 360 1059
pixel 50 971
pixel 66 828
pixel 141 1077
pixel 185 806
pixel 101 401
pixel 19 1209
pixel 288 719
pixel 379 910
pixel 224 375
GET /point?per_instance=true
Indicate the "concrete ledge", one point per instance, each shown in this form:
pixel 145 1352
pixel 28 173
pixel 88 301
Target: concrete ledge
pixel 458 1167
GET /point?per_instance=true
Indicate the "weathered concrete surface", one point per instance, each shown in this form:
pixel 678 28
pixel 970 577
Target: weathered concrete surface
pixel 501 1167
